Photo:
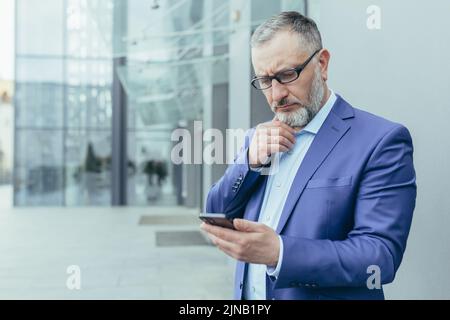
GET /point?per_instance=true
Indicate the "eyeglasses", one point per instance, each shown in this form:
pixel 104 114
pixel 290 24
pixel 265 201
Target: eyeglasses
pixel 283 77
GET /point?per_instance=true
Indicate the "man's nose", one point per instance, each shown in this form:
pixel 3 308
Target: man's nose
pixel 279 91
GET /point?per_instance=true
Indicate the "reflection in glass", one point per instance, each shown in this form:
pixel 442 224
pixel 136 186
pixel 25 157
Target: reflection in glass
pixel 175 54
pixel 38 168
pixel 88 168
pixel 174 61
pixel 63 103
pixel 149 177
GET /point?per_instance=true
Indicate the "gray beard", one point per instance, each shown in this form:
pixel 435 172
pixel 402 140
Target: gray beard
pixel 305 113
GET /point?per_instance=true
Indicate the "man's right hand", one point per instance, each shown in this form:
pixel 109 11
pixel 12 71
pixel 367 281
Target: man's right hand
pixel 269 138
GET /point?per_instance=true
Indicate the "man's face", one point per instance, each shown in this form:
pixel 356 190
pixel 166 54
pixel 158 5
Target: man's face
pixel 297 102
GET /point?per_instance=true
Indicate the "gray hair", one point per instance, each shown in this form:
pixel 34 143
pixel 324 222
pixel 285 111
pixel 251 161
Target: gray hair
pixel 293 21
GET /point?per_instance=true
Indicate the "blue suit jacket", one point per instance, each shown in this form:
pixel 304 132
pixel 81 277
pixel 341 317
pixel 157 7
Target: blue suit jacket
pixel 350 207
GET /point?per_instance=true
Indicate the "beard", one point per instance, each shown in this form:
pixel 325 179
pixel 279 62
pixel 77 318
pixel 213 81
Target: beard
pixel 305 113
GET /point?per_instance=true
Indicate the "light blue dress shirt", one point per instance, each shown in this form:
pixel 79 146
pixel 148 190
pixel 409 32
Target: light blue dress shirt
pixel 277 189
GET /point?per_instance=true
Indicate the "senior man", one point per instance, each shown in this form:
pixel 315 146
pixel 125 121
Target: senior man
pixel 335 215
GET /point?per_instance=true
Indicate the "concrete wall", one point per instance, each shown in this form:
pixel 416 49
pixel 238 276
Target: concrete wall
pixel 401 72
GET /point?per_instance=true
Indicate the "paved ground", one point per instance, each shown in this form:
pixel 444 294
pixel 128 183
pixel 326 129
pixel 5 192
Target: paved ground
pixel 6 196
pixel 117 257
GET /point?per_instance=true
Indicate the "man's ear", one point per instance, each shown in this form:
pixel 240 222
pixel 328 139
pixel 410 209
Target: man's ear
pixel 324 59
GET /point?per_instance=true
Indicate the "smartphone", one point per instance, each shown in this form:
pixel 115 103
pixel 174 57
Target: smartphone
pixel 217 219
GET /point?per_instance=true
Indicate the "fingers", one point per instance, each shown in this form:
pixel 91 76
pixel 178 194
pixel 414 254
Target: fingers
pixel 277 122
pixel 278 129
pixel 264 152
pixel 248 226
pixel 274 148
pixel 224 245
pixel 257 243
pixel 280 140
pixel 222 233
pixel 268 134
pixel 288 134
pixel 270 137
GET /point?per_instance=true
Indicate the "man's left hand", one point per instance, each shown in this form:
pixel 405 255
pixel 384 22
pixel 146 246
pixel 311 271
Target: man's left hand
pixel 251 242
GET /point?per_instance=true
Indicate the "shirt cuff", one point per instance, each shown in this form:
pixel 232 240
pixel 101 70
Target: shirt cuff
pixel 274 272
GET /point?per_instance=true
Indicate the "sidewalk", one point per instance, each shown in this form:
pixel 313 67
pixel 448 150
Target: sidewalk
pixel 6 197
pixel 118 258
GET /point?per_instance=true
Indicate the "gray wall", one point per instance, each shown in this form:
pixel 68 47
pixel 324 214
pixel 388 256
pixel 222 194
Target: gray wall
pixel 402 72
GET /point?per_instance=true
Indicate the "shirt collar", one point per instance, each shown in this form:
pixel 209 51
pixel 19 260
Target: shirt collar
pixel 316 123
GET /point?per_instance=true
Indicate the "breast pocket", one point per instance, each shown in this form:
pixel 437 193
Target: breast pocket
pixel 329 182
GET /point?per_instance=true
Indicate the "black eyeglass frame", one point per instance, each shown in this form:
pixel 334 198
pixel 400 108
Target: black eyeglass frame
pixel 298 70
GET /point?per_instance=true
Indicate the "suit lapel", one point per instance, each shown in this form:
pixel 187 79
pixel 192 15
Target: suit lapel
pixel 329 134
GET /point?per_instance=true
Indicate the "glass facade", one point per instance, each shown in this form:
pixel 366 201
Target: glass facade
pixel 168 74
pixel 169 58
pixel 63 103
pixel 6 133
